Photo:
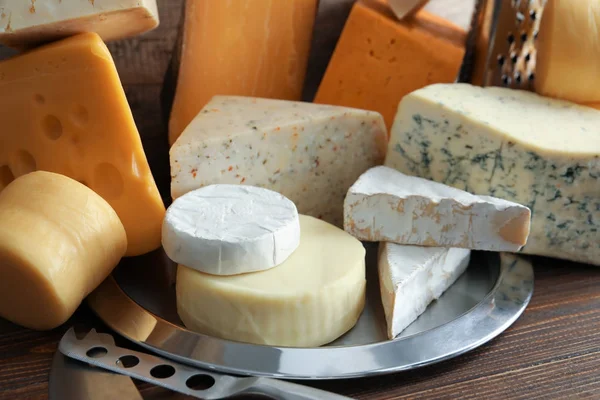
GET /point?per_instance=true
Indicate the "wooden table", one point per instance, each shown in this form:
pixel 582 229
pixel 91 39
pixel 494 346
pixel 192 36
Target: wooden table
pixel 552 351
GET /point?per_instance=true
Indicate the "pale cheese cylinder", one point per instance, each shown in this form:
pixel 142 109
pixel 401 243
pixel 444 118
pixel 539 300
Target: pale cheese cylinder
pixel 311 299
pixel 58 241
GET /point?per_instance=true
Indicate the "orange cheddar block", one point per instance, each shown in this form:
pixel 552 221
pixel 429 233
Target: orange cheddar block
pixel 253 48
pixel 378 59
pixel 63 110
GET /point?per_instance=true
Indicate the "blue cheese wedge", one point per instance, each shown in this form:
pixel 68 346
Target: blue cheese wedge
pixel 540 152
pixel 231 229
pixel 411 277
pixel 310 153
pixel 385 205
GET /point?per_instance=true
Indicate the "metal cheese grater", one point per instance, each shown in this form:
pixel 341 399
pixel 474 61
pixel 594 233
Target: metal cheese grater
pixel 501 42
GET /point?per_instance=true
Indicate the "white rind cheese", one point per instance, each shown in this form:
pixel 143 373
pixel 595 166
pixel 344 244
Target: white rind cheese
pixel 310 153
pixel 411 277
pixel 515 145
pixel 231 229
pixel 311 299
pixel 26 23
pixel 385 205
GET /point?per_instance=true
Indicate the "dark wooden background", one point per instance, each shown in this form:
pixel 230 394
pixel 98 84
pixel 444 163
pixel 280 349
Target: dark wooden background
pixel 551 352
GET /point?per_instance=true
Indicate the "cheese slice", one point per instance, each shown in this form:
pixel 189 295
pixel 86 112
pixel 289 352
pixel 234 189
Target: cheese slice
pixel 378 59
pixel 28 23
pixel 385 205
pixel 411 277
pixel 58 241
pixel 311 299
pixel 515 145
pixel 231 229
pixel 568 51
pixel 309 153
pixel 63 110
pixel 252 48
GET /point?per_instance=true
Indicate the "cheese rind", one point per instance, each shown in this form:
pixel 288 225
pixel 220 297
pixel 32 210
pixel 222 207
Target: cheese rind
pixel 255 48
pixel 311 299
pixel 385 205
pixel 378 60
pixel 24 24
pixel 58 241
pixel 63 110
pixel 309 153
pixel 231 229
pixel 515 145
pixel 568 51
pixel 411 277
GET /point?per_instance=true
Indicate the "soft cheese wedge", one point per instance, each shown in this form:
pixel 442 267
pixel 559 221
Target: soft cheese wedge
pixel 309 153
pixel 411 277
pixel 58 241
pixel 246 48
pixel 27 23
pixel 385 205
pixel 63 110
pixel 311 299
pixel 515 145
pixel 231 229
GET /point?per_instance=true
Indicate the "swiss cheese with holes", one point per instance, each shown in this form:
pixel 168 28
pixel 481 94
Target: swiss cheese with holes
pixel 63 110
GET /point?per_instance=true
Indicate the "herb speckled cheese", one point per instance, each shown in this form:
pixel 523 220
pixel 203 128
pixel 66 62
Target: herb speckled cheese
pixel 309 153
pixel 515 145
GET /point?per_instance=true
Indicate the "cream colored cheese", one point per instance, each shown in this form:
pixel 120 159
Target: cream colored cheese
pixel 311 299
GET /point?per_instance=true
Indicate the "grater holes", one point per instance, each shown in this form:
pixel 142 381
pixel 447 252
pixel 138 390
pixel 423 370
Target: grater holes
pixel 500 60
pixel 532 15
pixel 510 38
pixel 518 77
pixel 514 57
pixel 506 80
pixel 523 36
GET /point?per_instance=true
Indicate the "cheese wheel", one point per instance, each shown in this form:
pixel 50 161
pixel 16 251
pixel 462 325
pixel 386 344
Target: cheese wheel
pixel 311 299
pixel 568 51
pixel 58 241
pixel 231 229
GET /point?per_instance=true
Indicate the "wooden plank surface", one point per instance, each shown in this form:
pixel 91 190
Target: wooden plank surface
pixel 552 351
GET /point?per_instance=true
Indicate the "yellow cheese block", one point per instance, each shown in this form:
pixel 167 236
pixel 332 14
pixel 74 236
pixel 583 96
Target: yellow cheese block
pixel 63 110
pixel 25 23
pixel 378 60
pixel 248 48
pixel 58 241
pixel 311 299
pixel 568 51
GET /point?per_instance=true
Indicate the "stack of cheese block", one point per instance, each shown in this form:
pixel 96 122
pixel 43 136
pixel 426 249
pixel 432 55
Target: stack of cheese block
pixel 251 269
pixel 76 191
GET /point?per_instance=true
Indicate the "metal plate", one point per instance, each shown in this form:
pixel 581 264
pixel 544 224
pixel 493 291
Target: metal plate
pixel 138 302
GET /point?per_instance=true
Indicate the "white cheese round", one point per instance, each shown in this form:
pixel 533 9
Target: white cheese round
pixel 311 299
pixel 231 229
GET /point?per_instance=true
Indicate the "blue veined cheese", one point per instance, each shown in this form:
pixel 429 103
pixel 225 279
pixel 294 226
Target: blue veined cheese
pixel 539 152
pixel 385 205
pixel 411 277
pixel 309 153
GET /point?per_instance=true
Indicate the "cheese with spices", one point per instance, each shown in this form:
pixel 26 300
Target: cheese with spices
pixel 411 277
pixel 26 23
pixel 385 205
pixel 536 151
pixel 311 299
pixel 63 109
pixel 58 241
pixel 309 153
pixel 231 229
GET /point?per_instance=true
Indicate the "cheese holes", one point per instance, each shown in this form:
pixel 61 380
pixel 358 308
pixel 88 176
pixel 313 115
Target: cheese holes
pixel 6 176
pixel 108 181
pixel 24 163
pixel 39 99
pixel 52 126
pixel 80 115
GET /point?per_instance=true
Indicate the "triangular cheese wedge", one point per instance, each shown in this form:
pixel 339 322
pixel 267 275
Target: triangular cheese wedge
pixel 310 153
pixel 63 110
pixel 411 277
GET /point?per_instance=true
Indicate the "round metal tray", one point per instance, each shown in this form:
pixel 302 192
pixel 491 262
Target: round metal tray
pixel 138 302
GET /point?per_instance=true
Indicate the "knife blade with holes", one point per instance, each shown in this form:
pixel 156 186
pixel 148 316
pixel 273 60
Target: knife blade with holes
pixel 99 349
